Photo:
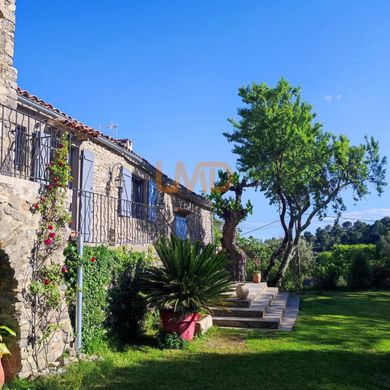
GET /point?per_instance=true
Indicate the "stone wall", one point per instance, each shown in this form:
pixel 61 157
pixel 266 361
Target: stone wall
pixel 17 236
pixel 7 71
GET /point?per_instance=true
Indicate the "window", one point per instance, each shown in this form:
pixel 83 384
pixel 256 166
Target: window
pixel 20 147
pixel 181 226
pixel 138 198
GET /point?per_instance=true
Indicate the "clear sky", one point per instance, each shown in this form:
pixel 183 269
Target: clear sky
pixel 168 71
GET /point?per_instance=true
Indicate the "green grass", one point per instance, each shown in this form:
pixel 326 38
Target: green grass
pixel 342 341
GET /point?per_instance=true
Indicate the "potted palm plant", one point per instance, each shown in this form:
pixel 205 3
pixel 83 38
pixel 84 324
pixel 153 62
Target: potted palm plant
pixel 191 279
pixel 4 351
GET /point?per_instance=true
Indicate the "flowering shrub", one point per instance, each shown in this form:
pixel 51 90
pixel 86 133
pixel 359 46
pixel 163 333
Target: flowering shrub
pixel 44 292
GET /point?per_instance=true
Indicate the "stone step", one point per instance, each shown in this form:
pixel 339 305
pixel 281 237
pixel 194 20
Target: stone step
pixel 277 306
pixel 290 314
pixel 266 312
pixel 237 312
pixel 235 302
pixel 244 322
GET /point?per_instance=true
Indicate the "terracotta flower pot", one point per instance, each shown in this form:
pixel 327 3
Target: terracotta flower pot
pixel 9 367
pixel 184 327
pixel 256 277
pixel 2 376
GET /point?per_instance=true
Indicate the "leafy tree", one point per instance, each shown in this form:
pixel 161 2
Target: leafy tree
pixel 384 246
pixel 232 211
pixel 301 169
pixel 302 264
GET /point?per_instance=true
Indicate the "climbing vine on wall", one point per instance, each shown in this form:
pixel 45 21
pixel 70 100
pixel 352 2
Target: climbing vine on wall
pixel 47 279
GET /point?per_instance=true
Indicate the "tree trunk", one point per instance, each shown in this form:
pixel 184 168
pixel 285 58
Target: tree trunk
pixel 287 256
pixel 235 254
pixel 272 261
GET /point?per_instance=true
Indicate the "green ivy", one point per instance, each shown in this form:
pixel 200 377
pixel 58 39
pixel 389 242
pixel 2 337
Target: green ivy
pixel 106 270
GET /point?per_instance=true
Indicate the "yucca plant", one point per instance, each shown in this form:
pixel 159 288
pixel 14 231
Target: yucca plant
pixel 191 278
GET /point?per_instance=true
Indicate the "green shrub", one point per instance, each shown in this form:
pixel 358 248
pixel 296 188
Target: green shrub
pixel 128 306
pixel 327 272
pixel 171 341
pixel 335 267
pixel 111 302
pixel 360 273
pixel 380 276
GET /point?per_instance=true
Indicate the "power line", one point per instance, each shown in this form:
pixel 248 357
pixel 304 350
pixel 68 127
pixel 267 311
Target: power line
pixel 329 216
pixel 260 227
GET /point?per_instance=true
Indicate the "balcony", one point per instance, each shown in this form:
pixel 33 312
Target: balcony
pixel 114 221
pixel 27 144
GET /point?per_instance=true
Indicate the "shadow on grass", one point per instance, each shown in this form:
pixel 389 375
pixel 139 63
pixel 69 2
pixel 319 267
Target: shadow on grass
pixel 334 347
pixel 283 370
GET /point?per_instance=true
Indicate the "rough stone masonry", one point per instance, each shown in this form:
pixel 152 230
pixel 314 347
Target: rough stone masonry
pixel 18 234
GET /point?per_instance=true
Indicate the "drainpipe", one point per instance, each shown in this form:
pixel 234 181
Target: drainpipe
pixel 79 297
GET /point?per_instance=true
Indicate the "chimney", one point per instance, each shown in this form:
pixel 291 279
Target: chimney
pixel 8 73
pixel 126 143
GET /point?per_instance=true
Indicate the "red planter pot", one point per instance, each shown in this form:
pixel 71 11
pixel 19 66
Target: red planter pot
pixel 2 376
pixel 184 327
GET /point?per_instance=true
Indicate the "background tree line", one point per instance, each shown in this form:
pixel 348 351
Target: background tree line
pixel 357 258
pixel 348 233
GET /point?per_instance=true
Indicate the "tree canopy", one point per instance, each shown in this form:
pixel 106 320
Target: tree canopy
pixel 301 168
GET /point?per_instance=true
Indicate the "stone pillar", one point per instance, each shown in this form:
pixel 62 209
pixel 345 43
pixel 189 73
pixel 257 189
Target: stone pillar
pixel 8 73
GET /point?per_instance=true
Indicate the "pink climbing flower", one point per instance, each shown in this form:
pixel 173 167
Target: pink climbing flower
pixel 50 227
pixel 52 235
pixel 48 241
pixel 46 282
pixel 64 269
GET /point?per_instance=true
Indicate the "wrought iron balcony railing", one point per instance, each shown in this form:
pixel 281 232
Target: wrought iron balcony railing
pixel 27 144
pixel 113 221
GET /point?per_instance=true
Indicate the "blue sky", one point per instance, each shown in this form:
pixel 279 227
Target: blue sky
pixel 168 72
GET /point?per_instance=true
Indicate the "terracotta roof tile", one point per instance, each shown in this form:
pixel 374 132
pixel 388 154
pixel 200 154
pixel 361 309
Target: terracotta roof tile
pixel 68 121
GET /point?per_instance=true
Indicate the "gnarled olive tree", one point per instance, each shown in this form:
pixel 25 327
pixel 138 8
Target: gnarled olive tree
pixel 232 211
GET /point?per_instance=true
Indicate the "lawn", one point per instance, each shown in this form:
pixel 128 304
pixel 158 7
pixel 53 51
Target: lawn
pixel 341 341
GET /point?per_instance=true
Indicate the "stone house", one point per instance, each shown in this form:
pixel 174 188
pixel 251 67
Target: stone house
pixel 116 197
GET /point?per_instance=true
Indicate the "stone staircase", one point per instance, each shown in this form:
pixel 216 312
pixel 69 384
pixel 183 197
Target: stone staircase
pixel 265 308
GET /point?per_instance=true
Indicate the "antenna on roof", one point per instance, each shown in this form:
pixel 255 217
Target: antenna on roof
pixel 113 126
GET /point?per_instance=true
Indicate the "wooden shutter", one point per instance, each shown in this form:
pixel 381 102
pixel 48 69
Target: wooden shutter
pixel 41 155
pixel 21 148
pixel 152 201
pixel 86 199
pixel 125 196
